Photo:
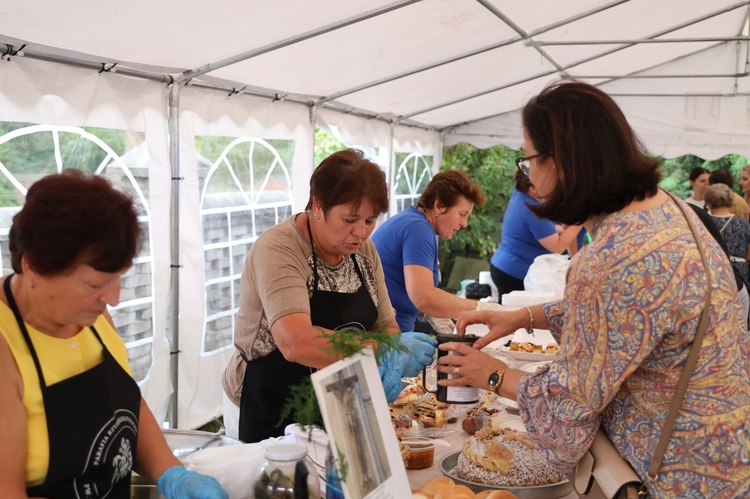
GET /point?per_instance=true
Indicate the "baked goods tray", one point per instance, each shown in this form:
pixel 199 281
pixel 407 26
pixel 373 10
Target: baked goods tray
pixel 525 356
pixel 429 432
pixel 553 491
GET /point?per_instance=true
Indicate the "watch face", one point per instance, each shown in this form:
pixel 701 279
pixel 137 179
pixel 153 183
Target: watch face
pixel 494 378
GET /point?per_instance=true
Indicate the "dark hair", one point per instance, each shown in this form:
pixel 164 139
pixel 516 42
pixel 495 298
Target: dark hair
pixel 447 187
pixel 347 177
pixel 721 176
pixel 74 218
pixel 523 183
pixel 696 172
pixel 601 164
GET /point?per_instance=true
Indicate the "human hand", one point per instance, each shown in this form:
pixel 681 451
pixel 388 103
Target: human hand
pixel 391 379
pixel 500 324
pixel 420 350
pixel 468 367
pixel 179 483
pixel 442 326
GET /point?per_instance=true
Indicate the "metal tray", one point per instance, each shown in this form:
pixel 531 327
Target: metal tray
pixel 553 491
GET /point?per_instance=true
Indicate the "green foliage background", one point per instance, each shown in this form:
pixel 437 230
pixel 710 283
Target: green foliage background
pixel 675 171
pixel 493 169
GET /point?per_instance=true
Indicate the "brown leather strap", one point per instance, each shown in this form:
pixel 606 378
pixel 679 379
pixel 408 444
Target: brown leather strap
pixel 692 358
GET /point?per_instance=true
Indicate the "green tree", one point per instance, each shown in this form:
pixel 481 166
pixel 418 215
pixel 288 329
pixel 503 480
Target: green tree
pixel 325 145
pixel 493 169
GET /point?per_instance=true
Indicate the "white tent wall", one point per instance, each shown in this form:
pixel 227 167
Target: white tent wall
pixel 210 113
pixel 38 92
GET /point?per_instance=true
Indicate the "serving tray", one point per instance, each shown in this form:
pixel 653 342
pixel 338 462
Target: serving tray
pixel 553 491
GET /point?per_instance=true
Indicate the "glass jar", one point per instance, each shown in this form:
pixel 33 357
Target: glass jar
pixel 286 473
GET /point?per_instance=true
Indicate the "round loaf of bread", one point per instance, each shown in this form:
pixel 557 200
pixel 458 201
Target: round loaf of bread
pixel 504 458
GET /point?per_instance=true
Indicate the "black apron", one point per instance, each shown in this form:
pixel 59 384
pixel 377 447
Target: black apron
pixel 265 388
pixel 92 424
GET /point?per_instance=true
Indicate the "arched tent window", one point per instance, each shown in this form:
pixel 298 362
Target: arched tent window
pixel 245 191
pixel 413 174
pixel 29 152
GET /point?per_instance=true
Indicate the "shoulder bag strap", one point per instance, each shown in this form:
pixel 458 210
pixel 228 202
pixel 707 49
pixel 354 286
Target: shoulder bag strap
pixel 692 358
pixel 725 224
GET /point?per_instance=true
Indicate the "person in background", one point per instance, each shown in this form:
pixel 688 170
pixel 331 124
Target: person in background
pixel 745 182
pixel 629 315
pixel 65 384
pixel 313 273
pixel 708 221
pixel 734 232
pixel 698 183
pixel 525 236
pixel 408 248
pixel 739 206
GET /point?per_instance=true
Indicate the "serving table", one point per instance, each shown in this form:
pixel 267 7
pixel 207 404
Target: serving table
pixel 456 439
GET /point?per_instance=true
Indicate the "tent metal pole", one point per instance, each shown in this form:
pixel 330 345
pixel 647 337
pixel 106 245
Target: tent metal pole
pixel 391 172
pixel 563 69
pixel 174 295
pixel 12 51
pixel 471 53
pixel 638 41
pixel 294 39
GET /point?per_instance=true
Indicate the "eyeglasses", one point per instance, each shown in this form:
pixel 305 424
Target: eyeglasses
pixel 524 162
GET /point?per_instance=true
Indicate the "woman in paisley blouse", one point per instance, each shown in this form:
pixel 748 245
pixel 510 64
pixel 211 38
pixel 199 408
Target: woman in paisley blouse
pixel 629 314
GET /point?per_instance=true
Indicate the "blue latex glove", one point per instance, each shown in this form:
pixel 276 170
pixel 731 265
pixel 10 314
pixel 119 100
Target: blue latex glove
pixel 420 349
pixel 179 483
pixel 391 379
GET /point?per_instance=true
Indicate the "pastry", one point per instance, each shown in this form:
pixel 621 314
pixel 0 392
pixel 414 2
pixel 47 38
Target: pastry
pixel 504 458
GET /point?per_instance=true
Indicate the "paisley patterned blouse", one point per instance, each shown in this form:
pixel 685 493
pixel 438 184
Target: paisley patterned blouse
pixel 630 312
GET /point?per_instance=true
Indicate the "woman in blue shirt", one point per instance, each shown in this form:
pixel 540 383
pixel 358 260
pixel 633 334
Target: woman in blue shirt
pixel 526 236
pixel 408 248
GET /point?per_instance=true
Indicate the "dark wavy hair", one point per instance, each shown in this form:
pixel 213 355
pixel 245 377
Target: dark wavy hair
pixel 347 177
pixel 73 218
pixel 448 187
pixel 601 164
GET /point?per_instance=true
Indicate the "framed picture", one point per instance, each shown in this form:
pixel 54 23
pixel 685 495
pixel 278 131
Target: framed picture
pixel 357 420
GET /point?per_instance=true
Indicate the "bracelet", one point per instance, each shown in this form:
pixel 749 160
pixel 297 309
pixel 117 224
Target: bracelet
pixel 530 328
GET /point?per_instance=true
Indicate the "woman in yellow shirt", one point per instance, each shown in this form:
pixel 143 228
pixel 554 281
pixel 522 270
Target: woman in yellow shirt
pixel 74 421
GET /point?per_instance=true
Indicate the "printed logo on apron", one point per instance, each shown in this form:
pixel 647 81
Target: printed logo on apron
pixel 111 448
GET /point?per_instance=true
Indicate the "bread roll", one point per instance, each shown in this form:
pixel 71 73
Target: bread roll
pixel 419 495
pixel 501 494
pixel 436 485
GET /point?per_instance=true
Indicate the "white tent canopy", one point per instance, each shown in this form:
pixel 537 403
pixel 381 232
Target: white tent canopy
pixel 406 76
pixel 461 67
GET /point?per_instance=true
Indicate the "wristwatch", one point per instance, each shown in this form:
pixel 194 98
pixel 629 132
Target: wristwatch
pixel 496 379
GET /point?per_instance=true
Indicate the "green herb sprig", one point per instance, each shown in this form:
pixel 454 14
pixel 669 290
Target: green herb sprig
pixel 345 342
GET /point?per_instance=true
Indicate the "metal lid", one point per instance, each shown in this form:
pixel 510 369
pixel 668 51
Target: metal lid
pixel 467 338
pixel 285 452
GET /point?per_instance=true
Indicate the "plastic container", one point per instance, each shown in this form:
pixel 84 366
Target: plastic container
pixel 518 299
pixel 286 472
pixel 421 453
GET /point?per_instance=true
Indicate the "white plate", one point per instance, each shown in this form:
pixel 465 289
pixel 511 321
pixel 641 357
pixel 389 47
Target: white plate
pixel 525 356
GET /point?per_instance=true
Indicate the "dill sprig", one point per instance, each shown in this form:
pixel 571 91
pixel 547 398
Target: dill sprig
pixel 302 403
